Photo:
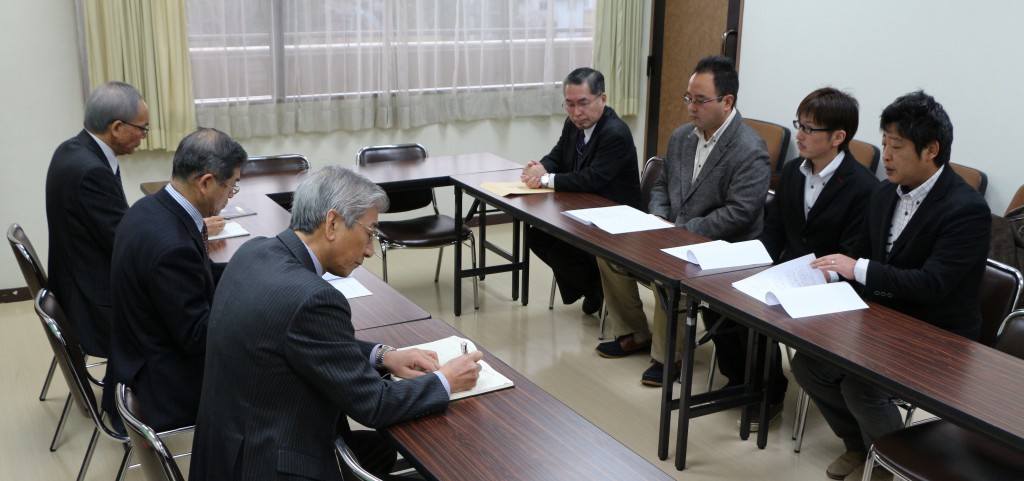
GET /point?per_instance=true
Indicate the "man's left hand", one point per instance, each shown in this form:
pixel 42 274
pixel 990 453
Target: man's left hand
pixel 407 363
pixel 837 263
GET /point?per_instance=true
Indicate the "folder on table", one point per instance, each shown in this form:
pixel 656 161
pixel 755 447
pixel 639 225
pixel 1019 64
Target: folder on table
pixel 449 348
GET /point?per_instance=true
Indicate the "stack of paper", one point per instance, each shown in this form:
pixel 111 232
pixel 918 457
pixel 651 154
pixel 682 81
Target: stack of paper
pixel 721 256
pixel 618 219
pixel 231 229
pixel 801 289
pixel 449 348
pixel 349 286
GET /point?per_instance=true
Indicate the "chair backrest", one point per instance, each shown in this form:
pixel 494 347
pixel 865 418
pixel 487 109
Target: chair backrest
pixel 1011 334
pixel 867 154
pixel 157 461
pixel 346 458
pixel 652 170
pixel 974 177
pixel 1017 200
pixel 777 138
pixel 28 261
pixel 401 200
pixel 998 295
pixel 274 164
pixel 71 359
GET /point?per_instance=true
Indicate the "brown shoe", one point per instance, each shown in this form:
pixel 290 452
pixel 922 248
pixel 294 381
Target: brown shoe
pixel 845 464
pixel 622 346
pixel 877 474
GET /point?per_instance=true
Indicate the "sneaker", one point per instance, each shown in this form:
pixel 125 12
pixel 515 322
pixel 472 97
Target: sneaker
pixel 774 410
pixel 653 375
pixel 846 464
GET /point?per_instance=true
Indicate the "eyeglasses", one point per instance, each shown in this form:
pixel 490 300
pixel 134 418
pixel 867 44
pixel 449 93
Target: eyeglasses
pixel 234 188
pixel 583 104
pixel 145 130
pixel 372 232
pixel 690 101
pixel 807 129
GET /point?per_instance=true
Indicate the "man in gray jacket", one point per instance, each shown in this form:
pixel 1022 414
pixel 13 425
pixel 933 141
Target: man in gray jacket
pixel 714 184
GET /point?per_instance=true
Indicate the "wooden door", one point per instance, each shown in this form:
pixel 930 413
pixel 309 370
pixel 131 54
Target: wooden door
pixel 683 32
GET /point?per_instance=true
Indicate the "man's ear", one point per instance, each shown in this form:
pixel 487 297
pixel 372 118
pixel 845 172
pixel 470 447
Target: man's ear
pixel 930 151
pixel 332 222
pixel 838 137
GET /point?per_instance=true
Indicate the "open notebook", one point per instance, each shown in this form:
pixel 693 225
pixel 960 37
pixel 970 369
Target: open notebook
pixel 800 289
pixel 450 348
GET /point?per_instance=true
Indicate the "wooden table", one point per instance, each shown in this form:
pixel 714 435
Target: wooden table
pixel 386 306
pixel 962 381
pixel 522 433
pixel 638 252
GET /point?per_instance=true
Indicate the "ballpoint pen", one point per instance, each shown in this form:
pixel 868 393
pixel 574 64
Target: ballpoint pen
pixel 464 347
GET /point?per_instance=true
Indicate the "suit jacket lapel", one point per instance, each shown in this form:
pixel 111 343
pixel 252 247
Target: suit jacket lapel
pixel 590 151
pixel 832 189
pixel 923 213
pixel 172 205
pixel 297 248
pixel 689 149
pixel 93 147
pixel 719 151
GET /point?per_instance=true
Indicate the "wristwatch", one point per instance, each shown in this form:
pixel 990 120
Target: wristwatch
pixel 544 180
pixel 381 351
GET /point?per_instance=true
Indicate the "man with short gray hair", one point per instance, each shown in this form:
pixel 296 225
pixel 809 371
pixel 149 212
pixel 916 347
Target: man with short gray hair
pixel 163 282
pixel 284 371
pixel 85 202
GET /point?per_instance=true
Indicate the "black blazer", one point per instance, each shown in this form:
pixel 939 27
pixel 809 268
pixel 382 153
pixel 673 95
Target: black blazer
pixel 163 285
pixel 84 204
pixel 609 166
pixel 284 367
pixel 935 267
pixel 835 221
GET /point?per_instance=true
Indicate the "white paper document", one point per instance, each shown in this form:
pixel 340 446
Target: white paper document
pixel 801 289
pixel 721 256
pixel 348 286
pixel 619 219
pixel 449 348
pixel 231 229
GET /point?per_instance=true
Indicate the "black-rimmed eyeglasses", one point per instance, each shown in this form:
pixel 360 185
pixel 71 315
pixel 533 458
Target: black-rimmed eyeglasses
pixel 144 129
pixel 807 129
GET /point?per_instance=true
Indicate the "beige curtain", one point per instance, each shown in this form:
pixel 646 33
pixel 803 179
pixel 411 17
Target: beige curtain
pixel 617 42
pixel 144 43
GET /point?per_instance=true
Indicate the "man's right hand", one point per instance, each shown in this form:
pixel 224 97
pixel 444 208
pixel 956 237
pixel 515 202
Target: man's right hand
pixel 463 371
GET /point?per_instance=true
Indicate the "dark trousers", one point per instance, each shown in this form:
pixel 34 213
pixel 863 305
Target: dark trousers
pixel 731 352
pixel 575 271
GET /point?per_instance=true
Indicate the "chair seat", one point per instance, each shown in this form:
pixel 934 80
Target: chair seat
pixel 426 231
pixel 940 450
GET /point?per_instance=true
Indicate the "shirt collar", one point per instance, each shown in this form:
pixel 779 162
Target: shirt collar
pixel 587 132
pixel 718 133
pixel 316 262
pixel 922 190
pixel 807 166
pixel 185 204
pixel 107 151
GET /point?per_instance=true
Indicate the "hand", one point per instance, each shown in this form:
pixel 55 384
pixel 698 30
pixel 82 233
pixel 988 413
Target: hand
pixel 534 169
pixel 408 363
pixel 837 263
pixel 214 225
pixel 463 371
pixel 531 181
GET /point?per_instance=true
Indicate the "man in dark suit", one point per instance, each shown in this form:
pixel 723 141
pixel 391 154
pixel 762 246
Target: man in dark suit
pixel 922 252
pixel 714 184
pixel 85 202
pixel 284 368
pixel 818 208
pixel 595 153
pixel 163 282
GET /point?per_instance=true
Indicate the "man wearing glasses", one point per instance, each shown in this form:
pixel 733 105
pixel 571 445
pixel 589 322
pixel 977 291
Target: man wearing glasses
pixel 163 281
pixel 714 184
pixel 85 201
pixel 595 153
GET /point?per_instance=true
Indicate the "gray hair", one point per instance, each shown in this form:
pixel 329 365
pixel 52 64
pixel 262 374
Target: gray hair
pixel 338 188
pixel 111 101
pixel 207 151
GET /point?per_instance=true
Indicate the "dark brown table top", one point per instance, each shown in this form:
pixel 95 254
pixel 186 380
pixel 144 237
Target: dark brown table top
pixel 967 383
pixel 430 172
pixel 386 306
pixel 522 433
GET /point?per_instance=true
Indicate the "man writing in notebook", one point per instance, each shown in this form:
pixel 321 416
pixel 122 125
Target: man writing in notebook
pixel 595 153
pixel 714 184
pixel 284 371
pixel 922 252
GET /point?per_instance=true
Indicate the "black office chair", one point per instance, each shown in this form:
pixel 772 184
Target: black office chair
pixel 35 276
pixel 71 360
pixel 275 164
pixel 429 231
pixel 940 450
pixel 346 458
pixel 157 461
pixel 866 154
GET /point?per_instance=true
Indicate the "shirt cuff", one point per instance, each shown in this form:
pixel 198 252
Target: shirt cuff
pixel 444 381
pixel 373 355
pixel 860 271
pixel 833 276
pixel 551 181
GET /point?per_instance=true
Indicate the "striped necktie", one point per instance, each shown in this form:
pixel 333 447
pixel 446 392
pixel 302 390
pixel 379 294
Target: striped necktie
pixel 581 146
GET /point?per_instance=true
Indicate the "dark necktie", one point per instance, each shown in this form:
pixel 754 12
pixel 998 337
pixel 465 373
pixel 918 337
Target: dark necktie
pixel 206 240
pixel 581 145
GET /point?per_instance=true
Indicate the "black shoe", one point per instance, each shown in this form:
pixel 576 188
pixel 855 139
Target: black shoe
pixel 653 375
pixel 755 416
pixel 592 303
pixel 622 346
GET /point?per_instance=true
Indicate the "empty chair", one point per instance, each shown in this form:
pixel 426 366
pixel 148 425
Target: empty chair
pixel 868 155
pixel 429 231
pixel 346 458
pixel 35 276
pixel 940 450
pixel 974 177
pixel 156 460
pixel 275 164
pixel 777 139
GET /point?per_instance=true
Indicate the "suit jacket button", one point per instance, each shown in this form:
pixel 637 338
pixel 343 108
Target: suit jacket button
pixel 877 293
pixel 889 294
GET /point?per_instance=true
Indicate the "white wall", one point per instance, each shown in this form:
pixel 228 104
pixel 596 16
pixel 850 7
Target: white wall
pixel 43 105
pixel 967 55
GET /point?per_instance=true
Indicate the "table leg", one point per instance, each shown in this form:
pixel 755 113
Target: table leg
pixel 685 394
pixel 767 362
pixel 482 247
pixel 459 223
pixel 525 258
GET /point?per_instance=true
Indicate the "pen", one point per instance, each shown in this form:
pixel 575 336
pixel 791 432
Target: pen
pixel 464 346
